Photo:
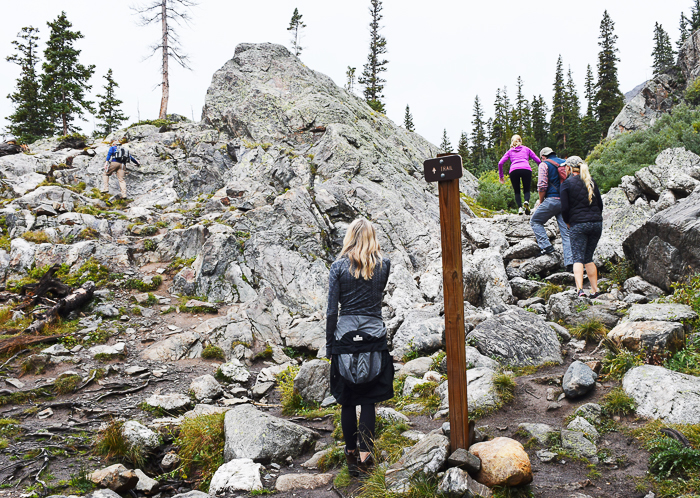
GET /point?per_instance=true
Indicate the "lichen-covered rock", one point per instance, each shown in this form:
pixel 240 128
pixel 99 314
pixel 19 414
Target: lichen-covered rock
pixel 291 482
pixel 504 462
pixel 426 458
pixel 140 436
pixel 416 367
pixel 481 390
pixel 115 477
pixel 667 312
pixel 570 309
pixel 241 474
pixel 313 381
pixel 169 402
pixel 541 432
pixel 637 285
pixel 259 436
pixel 652 336
pixel 456 483
pixel 664 394
pixel 205 387
pixel 422 330
pixel 517 338
pixel 234 371
pixel 579 444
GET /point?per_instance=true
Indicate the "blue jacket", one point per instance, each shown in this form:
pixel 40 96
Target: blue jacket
pixel 113 150
pixel 553 179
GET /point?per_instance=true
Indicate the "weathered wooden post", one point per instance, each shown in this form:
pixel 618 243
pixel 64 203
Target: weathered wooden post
pixel 446 169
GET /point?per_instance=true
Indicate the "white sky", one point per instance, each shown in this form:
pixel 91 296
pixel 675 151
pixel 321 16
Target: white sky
pixel 441 53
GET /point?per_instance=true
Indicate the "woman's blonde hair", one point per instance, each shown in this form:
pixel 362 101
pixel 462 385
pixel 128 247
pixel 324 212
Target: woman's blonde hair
pixel 362 248
pixel 577 164
pixel 515 141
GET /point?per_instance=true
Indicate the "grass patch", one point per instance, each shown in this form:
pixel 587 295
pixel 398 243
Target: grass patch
pixel 549 290
pixel 476 208
pixel 265 354
pixel 617 274
pixel 687 360
pixel 333 459
pixel 505 387
pixel 38 237
pixel 201 447
pixel 178 264
pixel 592 330
pixel 343 479
pixel 140 285
pixel 291 400
pixel 618 361
pixel 436 366
pixel 112 444
pixel 513 492
pixel 617 402
pixel 212 352
pixel 67 384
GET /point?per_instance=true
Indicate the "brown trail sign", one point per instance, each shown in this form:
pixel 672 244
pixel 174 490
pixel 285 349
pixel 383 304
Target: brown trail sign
pixel 446 169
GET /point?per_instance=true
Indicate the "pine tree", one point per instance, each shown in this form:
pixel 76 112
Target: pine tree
pixel 295 26
pixel 574 144
pixel 478 138
pixel 408 120
pixel 558 123
pixel 445 145
pixel 371 75
pixel 662 54
pixel 350 84
pixel 108 107
pixel 540 130
pixel 501 130
pixel 29 121
pixel 65 81
pixel 167 13
pixel 463 148
pixel 695 16
pixel 589 124
pixel 684 30
pixel 609 98
pixel 522 123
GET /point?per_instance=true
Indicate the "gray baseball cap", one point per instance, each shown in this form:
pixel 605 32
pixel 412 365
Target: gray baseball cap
pixel 574 162
pixel 546 151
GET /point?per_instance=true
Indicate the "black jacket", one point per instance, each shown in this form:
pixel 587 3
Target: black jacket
pixel 575 207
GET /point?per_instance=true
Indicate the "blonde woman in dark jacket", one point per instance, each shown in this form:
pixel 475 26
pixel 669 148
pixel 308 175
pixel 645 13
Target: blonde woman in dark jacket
pixel 362 371
pixel 582 210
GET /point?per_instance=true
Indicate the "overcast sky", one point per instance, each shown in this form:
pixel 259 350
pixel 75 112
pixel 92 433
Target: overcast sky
pixel 441 53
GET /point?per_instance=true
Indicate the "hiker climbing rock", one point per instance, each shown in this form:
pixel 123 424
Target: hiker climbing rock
pixel 582 210
pixel 117 158
pixel 549 180
pixel 520 171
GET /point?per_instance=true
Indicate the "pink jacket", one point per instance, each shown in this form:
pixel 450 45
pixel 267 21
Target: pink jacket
pixel 519 157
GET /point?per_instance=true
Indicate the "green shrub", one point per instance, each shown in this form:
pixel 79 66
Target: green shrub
pixel 493 195
pixel 687 292
pixel 592 330
pixel 687 360
pixel 155 122
pixel 618 273
pixel 38 237
pixel 201 447
pixel 617 402
pixel 669 456
pixel 112 444
pixel 692 93
pixel 212 352
pixel 138 284
pixel 617 362
pixel 549 290
pixel 67 384
pixel 624 155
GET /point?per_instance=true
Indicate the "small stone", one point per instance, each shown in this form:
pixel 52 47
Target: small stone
pixel 546 456
pixel 582 425
pixel 578 380
pixel 329 401
pixel 561 397
pixel 56 350
pixel 553 406
pixel 432 377
pixel 124 318
pixel 291 482
pixel 312 463
pixel 16 383
pixel 240 474
pixel 464 460
pixel 139 435
pixel 205 386
pixel 456 483
pixel 446 429
pixel 169 402
pixel 141 298
pixel 205 306
pixel 115 477
pixel 275 466
pixel 135 370
pixel 413 435
pixel 234 371
pixel 170 460
pixel 45 413
pixel 145 484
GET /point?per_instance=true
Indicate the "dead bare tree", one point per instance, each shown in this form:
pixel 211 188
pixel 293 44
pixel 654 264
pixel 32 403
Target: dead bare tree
pixel 168 13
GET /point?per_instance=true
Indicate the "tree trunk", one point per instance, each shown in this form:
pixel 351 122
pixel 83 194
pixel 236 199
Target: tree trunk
pixel 165 86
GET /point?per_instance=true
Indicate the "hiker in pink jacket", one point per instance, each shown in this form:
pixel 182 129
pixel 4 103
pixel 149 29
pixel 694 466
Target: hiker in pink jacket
pixel 520 170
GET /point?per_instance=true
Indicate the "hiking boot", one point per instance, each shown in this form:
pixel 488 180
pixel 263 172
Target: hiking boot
pixel 351 459
pixel 593 295
pixel 549 250
pixel 520 211
pixel 365 466
pixel 581 293
pixel 526 205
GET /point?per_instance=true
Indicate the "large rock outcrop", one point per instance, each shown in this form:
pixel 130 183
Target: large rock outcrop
pixel 667 247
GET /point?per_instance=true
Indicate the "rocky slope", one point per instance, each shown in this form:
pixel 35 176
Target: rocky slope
pixel 223 254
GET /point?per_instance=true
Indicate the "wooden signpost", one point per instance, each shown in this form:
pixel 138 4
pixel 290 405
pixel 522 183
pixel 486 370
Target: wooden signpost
pixel 446 169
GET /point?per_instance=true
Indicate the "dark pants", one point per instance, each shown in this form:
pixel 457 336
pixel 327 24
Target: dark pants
pixel 516 176
pixel 584 240
pixel 348 421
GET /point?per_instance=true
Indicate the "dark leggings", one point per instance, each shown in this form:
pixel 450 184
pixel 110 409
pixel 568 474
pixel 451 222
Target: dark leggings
pixel 348 421
pixel 516 176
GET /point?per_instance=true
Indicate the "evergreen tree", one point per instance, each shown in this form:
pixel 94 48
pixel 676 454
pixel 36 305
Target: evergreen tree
pixel 408 120
pixel 108 107
pixel 295 26
pixel 522 123
pixel 609 98
pixel 574 144
pixel 540 130
pixel 445 145
pixel 371 75
pixel 663 55
pixel 463 148
pixel 478 138
pixel 29 121
pixel 350 84
pixel 501 128
pixel 684 30
pixel 694 20
pixel 589 125
pixel 558 123
pixel 65 81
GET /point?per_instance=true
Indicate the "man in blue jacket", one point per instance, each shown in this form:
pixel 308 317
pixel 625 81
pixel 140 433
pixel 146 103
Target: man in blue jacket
pixel 117 158
pixel 549 205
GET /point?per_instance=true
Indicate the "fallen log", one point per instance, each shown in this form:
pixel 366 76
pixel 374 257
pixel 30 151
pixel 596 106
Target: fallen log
pixel 79 298
pixel 47 285
pixel 21 341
